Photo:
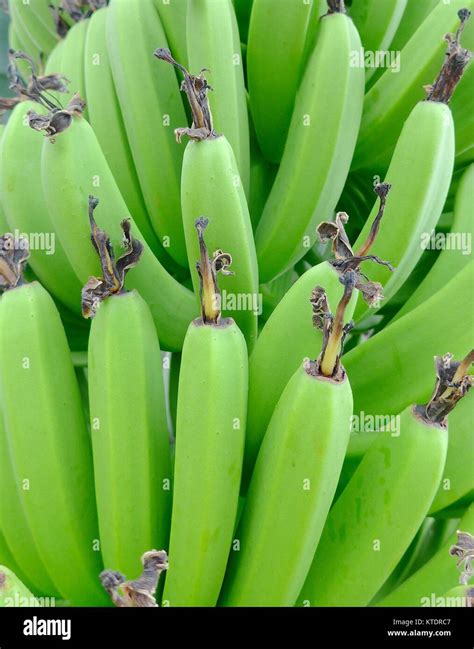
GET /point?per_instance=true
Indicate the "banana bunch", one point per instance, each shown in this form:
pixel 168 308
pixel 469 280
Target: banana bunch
pixel 216 357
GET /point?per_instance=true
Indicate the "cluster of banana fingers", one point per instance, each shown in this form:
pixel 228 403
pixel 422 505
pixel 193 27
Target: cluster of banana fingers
pixel 224 349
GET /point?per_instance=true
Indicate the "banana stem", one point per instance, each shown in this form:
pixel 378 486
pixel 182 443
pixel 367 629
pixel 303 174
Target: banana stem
pixel 382 190
pixel 336 7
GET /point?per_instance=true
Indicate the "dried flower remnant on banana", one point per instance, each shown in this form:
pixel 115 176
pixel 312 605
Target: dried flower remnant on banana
pixel 13 257
pixel 453 382
pixel 36 86
pixel 463 549
pixel 207 269
pixel 196 89
pixel 112 281
pixel 344 257
pixel 457 58
pixel 136 593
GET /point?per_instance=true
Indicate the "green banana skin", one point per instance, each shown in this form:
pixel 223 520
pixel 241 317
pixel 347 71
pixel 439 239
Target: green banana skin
pixel 243 9
pixel 110 130
pixel 68 179
pixel 43 15
pixel 386 500
pixel 436 577
pixel 449 262
pixel 15 43
pixel 25 559
pixel 282 520
pixel 383 378
pixel 389 101
pixel 413 16
pixel 26 209
pixel 220 53
pixel 173 18
pixel 146 109
pixel 212 397
pixel 274 292
pixel 275 46
pixel 129 432
pixel 308 185
pixel 210 186
pixel 287 337
pixel 12 590
pixel 458 596
pixel 377 23
pixel 460 460
pixel 43 39
pixel 462 108
pixel 56 462
pixel 72 61
pixel 420 176
pixel 24 37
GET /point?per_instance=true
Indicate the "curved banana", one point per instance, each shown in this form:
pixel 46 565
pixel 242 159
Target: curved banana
pixel 296 473
pixel 150 110
pixel 106 120
pixel 377 23
pixel 462 109
pixel 27 14
pixel 413 16
pixel 275 46
pixel 211 186
pixel 52 465
pixel 435 577
pixel 375 519
pixel 128 419
pixel 26 209
pixel 318 150
pixel 24 37
pixel 172 306
pixel 173 18
pixel 213 42
pixel 450 261
pixel 390 100
pixel 72 60
pixel 212 403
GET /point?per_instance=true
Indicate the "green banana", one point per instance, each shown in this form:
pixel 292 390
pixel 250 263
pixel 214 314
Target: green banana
pixel 384 377
pixel 52 465
pixel 219 51
pixel 26 209
pixel 262 176
pixel 243 9
pixel 457 482
pixel 435 577
pixel 450 261
pixel 459 596
pixel 275 46
pixel 172 305
pixel 32 16
pixel 16 44
pixel 413 16
pixel 375 519
pixel 377 23
pixel 128 415
pixel 72 60
pixel 109 127
pixel 23 35
pixel 391 99
pixel 173 18
pixel 151 110
pixel 12 591
pixel 211 413
pixel 288 335
pixel 462 108
pixel 211 186
pixel 325 120
pixel 296 472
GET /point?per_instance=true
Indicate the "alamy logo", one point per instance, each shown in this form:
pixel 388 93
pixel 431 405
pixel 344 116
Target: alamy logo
pixel 39 626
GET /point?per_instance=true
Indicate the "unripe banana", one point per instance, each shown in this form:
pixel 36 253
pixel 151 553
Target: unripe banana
pixel 413 16
pixel 28 15
pixel 172 305
pixel 212 403
pixel 377 23
pixel 384 377
pixel 52 464
pixel 434 578
pixel 173 18
pixel 389 102
pixel 450 261
pixel 296 473
pixel 72 60
pixel 24 37
pixel 318 150
pixel 106 120
pixel 128 421
pixel 213 43
pixel 463 115
pixel 151 111
pixel 375 519
pixel 460 596
pixel 211 186
pixel 26 209
pixel 275 46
